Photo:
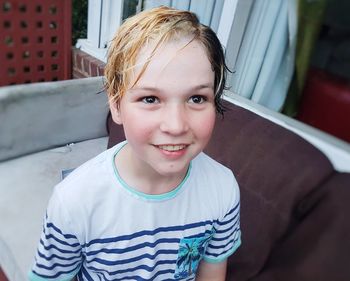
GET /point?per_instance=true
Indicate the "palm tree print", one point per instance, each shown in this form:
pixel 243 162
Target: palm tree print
pixel 191 250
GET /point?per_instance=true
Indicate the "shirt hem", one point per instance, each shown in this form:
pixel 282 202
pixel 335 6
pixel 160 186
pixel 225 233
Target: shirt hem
pixel 225 256
pixel 33 277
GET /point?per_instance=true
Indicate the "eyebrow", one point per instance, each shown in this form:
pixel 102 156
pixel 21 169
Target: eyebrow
pixel 155 89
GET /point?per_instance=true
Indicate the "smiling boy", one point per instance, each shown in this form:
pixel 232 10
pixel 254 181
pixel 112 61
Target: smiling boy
pixel 153 207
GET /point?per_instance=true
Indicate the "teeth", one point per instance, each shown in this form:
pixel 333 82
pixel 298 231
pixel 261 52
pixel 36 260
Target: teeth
pixel 172 147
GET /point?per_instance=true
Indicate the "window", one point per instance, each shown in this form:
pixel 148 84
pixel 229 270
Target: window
pixel 104 17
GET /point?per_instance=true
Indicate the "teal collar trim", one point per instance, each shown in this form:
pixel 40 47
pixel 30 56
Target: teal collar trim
pixel 142 195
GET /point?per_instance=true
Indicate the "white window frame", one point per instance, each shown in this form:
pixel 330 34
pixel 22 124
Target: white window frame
pixel 105 16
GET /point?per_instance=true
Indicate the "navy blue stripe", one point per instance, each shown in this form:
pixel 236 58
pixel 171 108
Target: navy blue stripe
pixel 232 210
pixel 58 257
pixel 162 272
pixel 222 246
pixel 86 274
pixel 228 221
pixel 144 256
pixel 56 265
pixel 216 239
pixel 148 233
pixel 223 253
pixel 220 231
pixel 134 248
pixel 132 269
pixel 61 241
pixel 57 274
pixel 200 235
pixel 47 248
pixel 67 236
pixel 80 274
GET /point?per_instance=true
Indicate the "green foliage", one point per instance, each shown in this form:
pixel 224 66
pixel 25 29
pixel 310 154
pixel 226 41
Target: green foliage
pixel 79 19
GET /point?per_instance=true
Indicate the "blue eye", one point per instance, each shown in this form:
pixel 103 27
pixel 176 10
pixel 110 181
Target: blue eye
pixel 197 99
pixel 150 99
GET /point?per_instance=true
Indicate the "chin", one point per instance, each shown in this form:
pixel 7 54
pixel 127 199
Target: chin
pixel 172 170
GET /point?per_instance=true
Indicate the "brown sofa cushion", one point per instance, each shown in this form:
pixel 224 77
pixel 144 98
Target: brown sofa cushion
pixel 115 132
pixel 317 246
pixel 275 168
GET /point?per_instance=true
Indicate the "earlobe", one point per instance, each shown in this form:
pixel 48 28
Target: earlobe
pixel 115 111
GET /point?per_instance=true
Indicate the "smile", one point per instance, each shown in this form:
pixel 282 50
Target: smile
pixel 172 148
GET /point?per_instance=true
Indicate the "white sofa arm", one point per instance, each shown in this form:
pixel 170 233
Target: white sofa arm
pixel 39 116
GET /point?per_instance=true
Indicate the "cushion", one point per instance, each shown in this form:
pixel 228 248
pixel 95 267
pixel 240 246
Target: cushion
pixel 275 169
pixel 317 246
pixel 70 110
pixel 26 186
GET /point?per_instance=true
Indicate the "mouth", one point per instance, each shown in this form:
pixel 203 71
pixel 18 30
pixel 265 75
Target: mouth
pixel 172 147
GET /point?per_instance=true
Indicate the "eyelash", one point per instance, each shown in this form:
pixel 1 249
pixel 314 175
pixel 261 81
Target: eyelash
pixel 154 99
pixel 203 99
pixel 144 99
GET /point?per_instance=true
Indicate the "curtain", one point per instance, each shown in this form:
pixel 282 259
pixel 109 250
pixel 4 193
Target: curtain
pixel 265 62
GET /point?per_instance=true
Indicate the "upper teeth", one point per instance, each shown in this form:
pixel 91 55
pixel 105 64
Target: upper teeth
pixel 172 147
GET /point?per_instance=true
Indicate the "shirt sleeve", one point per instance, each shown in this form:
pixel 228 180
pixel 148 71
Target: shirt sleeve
pixel 59 253
pixel 227 234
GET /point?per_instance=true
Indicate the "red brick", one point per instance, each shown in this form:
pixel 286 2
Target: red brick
pixel 80 55
pixel 86 65
pixel 101 69
pixel 78 74
pixel 94 63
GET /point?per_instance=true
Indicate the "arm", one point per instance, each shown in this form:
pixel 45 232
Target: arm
pixel 59 251
pixel 211 271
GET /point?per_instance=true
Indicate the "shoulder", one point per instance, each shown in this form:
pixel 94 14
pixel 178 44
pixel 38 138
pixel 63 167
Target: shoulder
pixel 205 166
pixel 88 182
pixel 87 173
pixel 85 193
pixel 216 181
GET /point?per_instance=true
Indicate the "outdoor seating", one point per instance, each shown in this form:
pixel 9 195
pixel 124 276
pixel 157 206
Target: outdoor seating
pixel 294 180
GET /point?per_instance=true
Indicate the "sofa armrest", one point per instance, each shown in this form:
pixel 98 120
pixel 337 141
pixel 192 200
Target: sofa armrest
pixel 39 116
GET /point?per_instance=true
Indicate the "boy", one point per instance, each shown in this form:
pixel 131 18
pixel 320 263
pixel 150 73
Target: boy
pixel 153 207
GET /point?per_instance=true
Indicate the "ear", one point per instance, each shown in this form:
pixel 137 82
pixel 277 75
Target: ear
pixel 115 111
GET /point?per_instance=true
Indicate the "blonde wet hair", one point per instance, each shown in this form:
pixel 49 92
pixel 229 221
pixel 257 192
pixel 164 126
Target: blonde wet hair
pixel 158 25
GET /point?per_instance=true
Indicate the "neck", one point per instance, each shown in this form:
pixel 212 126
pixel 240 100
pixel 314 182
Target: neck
pixel 143 178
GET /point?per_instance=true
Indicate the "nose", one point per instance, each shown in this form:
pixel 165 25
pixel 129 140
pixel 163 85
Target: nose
pixel 174 120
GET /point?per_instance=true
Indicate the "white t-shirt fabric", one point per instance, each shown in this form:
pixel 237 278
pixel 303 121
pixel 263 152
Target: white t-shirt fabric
pixel 98 228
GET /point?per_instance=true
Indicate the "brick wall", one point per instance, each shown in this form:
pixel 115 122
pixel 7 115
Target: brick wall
pixel 84 65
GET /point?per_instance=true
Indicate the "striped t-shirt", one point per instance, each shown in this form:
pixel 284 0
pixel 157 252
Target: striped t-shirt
pixel 98 228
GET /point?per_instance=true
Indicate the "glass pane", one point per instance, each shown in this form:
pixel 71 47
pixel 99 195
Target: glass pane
pixel 129 8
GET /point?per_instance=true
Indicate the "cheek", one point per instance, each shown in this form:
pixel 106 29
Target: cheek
pixel 135 129
pixel 205 125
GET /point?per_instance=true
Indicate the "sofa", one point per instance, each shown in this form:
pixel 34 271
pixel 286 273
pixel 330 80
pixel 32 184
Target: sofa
pixel 294 180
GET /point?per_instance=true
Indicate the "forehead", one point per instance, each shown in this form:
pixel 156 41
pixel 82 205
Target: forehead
pixel 183 62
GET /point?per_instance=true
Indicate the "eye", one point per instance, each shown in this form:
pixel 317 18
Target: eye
pixel 150 99
pixel 197 99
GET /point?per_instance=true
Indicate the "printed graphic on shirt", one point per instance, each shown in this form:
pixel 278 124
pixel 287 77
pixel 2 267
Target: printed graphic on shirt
pixel 191 251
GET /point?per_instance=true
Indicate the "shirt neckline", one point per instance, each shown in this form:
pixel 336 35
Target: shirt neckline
pixel 142 195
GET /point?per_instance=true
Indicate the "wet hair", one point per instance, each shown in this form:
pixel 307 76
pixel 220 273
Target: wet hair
pixel 159 25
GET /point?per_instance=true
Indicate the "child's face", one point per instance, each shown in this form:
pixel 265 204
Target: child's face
pixel 169 115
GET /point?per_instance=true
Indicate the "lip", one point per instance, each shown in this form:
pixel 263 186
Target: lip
pixel 172 150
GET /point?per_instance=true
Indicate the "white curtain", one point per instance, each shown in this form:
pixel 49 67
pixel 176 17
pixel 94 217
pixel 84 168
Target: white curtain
pixel 208 11
pixel 265 61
